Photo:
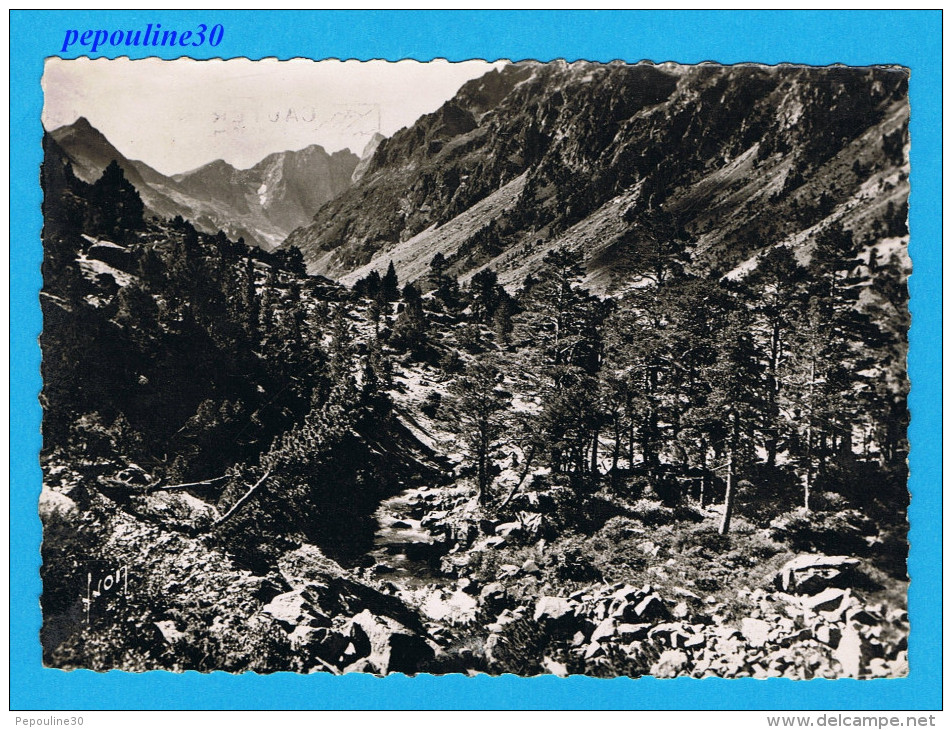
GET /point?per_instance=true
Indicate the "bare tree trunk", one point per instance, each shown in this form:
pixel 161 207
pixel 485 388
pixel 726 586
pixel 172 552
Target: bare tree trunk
pixel 729 494
pixel 807 483
pixel 522 478
pixel 594 461
pixel 704 476
pixel 616 449
pixel 173 487
pixel 631 444
pixel 244 500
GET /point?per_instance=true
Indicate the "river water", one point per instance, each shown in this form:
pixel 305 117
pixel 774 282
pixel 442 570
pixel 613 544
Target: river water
pixel 404 552
pixel 408 556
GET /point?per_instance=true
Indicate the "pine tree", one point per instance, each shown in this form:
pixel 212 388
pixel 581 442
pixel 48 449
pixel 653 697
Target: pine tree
pixel 269 301
pixel 151 269
pixel 502 319
pixel 389 285
pixel 835 346
pixel 115 208
pixel 410 328
pixel 369 286
pixel 138 312
pixel 776 294
pixel 484 295
pixel 250 301
pixel 563 317
pixel 480 406
pixel 736 396
pixel 446 287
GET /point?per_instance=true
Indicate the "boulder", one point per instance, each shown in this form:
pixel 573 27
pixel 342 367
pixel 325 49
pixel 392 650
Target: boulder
pixel 796 637
pixel 670 664
pixel 177 508
pixel 695 641
pixel 687 595
pixel 605 630
pixel 531 567
pixel 392 647
pixel 301 637
pixel 632 632
pixel 898 615
pixel 457 607
pixel 554 667
pixel 113 254
pixel 306 565
pixel 862 616
pixel 468 585
pixel 557 615
pixel 508 528
pixel 54 503
pixel 814 573
pixel 827 634
pixel 488 527
pixel 681 610
pixel 552 608
pixel 489 543
pixel 829 600
pixel 288 608
pixel 507 570
pixel 594 650
pixel 627 593
pixel 502 620
pixel 332 646
pixel 169 631
pixel 264 588
pixel 432 519
pixel 493 597
pixel 650 608
pixel 674 634
pixel 344 596
pixel 755 631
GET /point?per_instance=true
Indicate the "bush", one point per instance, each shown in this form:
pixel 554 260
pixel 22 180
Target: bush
pixel 574 559
pixel 630 488
pixel 768 492
pixel 621 528
pixel 833 533
pixel 651 512
pixel 432 403
pixel 451 363
pixel 518 649
pixel 554 496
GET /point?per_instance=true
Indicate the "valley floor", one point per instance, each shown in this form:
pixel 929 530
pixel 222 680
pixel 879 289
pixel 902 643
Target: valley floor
pixel 448 586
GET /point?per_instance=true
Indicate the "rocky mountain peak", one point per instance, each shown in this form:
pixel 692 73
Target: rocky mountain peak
pixel 261 204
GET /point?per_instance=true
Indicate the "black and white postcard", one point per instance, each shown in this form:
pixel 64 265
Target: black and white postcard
pixel 485 367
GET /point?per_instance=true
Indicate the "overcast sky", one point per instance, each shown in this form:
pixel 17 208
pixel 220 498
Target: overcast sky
pixel 178 115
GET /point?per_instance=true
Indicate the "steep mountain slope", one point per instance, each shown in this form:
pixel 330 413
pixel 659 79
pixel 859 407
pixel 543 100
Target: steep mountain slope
pixel 261 204
pixel 726 161
pixel 366 156
pixel 89 152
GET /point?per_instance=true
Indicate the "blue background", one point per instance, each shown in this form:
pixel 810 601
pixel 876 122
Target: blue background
pixel 909 38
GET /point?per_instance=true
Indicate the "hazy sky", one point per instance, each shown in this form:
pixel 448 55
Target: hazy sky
pixel 177 115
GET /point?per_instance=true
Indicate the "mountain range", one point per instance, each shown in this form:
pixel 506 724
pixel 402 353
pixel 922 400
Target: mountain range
pixel 614 160
pixel 261 204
